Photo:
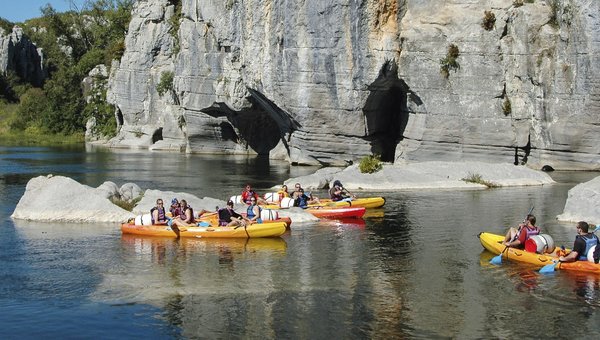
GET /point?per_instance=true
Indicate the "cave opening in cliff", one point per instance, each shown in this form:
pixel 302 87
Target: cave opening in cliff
pixel 157 135
pixel 261 126
pixel 386 112
pixel 257 129
pixel 119 117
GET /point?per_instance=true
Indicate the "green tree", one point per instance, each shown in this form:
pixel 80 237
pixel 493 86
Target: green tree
pixel 33 106
pixel 73 43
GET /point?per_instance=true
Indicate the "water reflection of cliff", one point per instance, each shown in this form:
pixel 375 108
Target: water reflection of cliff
pixel 201 284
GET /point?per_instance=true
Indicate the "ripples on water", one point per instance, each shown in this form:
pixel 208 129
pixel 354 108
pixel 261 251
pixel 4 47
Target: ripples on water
pixel 414 269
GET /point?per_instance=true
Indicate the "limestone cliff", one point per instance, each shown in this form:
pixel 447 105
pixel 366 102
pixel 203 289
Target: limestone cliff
pixel 329 81
pixel 20 55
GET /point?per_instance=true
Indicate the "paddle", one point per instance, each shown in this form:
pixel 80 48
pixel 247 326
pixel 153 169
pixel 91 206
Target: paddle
pixel 497 260
pixel 549 268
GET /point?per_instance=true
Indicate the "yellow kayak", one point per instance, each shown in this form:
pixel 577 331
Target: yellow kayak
pixel 493 243
pixel 366 202
pixel 213 219
pixel 254 230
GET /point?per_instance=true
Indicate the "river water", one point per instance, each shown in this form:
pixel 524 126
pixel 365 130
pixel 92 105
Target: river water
pixel 414 269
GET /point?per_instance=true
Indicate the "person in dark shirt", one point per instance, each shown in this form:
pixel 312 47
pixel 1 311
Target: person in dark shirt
pixel 228 217
pixel 584 241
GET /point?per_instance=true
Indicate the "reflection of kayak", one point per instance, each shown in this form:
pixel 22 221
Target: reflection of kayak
pixel 493 243
pixel 374 213
pixel 238 244
pixel 349 222
pixel 254 230
pixel 213 219
pixel 333 212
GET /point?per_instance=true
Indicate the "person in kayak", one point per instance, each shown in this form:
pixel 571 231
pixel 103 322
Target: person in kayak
pixel 584 241
pixel 248 193
pixel 175 209
pixel 338 192
pixel 253 212
pixel 302 200
pixel 159 215
pixel 229 218
pixel 283 192
pixel 185 217
pixel 516 238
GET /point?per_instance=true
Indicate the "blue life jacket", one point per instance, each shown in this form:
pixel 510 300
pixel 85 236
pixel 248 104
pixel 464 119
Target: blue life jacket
pixel 589 243
pixel 250 213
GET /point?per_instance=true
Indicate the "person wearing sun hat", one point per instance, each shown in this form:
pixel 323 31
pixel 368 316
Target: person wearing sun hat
pixel 338 192
pixel 175 208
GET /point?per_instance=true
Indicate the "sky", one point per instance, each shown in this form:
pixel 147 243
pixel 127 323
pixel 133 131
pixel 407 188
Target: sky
pixel 21 10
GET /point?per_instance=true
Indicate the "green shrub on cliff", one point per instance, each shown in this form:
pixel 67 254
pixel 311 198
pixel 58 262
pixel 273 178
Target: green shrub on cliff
pixel 165 83
pixel 449 62
pixel 489 20
pixel 506 107
pixel 370 164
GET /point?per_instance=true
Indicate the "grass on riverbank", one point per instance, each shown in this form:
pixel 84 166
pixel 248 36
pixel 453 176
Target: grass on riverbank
pixel 31 135
pixel 29 138
pixel 476 178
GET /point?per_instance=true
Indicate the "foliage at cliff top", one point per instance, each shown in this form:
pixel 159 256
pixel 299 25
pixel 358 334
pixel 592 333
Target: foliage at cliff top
pixel 73 43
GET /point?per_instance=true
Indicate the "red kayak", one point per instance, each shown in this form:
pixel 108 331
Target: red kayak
pixel 334 212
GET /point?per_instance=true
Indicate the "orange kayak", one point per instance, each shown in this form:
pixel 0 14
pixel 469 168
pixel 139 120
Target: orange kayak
pixel 254 230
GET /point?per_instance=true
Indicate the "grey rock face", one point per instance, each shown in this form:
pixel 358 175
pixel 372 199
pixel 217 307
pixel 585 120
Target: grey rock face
pixel 582 203
pixel 330 81
pixel 19 54
pixel 94 86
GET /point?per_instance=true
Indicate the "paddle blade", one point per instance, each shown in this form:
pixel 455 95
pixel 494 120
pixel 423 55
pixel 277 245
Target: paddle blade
pixel 549 268
pixel 497 260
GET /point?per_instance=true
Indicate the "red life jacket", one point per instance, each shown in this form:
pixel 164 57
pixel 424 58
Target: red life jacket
pixel 247 195
pixel 531 232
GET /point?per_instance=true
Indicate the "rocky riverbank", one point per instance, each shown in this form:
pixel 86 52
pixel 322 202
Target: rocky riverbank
pixel 61 199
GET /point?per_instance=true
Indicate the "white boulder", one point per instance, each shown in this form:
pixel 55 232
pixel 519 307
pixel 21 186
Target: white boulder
pixel 62 199
pixel 129 191
pixel 425 175
pixel 297 215
pixel 109 190
pixel 583 203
